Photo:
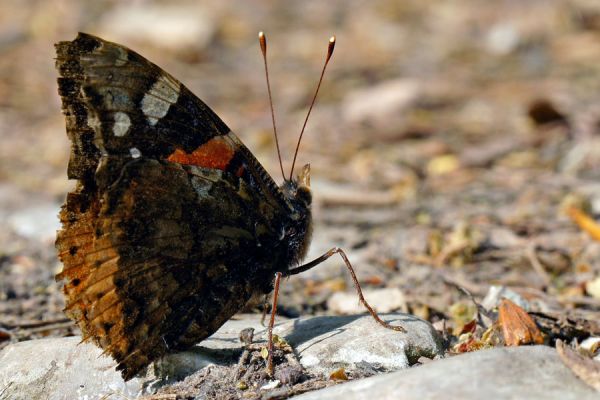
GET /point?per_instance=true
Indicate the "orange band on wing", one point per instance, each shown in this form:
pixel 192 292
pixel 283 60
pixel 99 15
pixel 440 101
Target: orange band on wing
pixel 215 153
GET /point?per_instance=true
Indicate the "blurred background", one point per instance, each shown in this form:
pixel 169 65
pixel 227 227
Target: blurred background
pixel 446 142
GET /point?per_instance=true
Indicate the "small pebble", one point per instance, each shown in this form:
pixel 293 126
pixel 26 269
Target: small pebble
pixel 289 375
pixel 247 336
pixel 271 385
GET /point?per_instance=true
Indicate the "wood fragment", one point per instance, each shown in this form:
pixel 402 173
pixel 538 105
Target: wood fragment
pixel 50 327
pixel 450 251
pixel 580 300
pixel 585 222
pixel 531 254
pixel 34 324
pixel 561 326
pixel 585 368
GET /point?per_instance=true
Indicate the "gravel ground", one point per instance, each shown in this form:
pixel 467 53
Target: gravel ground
pixel 448 144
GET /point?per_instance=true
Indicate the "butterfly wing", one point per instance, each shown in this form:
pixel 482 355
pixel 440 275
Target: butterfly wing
pixel 175 252
pixel 173 224
pixel 115 100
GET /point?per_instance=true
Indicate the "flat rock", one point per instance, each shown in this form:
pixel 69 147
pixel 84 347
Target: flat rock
pixel 497 293
pixel 62 368
pixel 36 222
pixel 534 372
pixel 325 344
pixel 59 368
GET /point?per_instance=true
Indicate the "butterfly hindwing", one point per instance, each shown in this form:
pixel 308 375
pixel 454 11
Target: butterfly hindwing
pixel 168 264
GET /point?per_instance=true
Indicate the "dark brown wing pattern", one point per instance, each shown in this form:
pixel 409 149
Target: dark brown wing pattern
pixel 173 223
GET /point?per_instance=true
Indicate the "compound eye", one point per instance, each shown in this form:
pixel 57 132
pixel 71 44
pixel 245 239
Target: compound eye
pixel 304 195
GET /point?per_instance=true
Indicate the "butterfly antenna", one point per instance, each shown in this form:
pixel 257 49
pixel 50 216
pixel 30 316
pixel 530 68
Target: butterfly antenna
pixel 263 47
pixel 330 48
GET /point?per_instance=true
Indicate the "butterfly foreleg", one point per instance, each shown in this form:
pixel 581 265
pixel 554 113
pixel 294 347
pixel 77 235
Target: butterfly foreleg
pixel 270 346
pixel 328 254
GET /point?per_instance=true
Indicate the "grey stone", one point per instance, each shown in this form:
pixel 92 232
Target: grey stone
pixel 36 221
pixel 534 372
pixel 227 337
pixel 61 368
pixel 497 293
pixel 325 344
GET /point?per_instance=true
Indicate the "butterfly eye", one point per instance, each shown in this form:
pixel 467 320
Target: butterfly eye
pixel 304 195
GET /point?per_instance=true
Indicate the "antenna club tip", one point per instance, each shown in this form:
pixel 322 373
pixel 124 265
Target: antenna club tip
pixel 262 39
pixel 330 47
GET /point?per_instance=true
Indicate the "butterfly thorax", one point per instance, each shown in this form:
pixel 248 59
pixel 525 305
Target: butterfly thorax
pixel 298 233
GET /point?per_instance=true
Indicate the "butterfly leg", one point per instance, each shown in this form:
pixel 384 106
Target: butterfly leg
pixel 270 346
pixel 337 250
pixel 266 307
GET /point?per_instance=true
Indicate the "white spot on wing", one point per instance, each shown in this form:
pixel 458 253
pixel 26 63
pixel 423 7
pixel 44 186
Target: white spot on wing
pixel 135 152
pixel 93 121
pixel 201 185
pixel 158 99
pixel 122 58
pixel 122 124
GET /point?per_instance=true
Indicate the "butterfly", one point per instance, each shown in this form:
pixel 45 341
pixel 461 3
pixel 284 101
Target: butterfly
pixel 173 224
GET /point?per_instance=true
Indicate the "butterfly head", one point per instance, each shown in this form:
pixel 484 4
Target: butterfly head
pixel 297 190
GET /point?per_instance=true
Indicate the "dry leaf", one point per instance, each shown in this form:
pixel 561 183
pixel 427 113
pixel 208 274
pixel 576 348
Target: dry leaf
pixel 442 165
pixel 4 335
pixel 593 287
pixel 586 369
pixel 373 280
pixel 338 375
pixel 585 222
pixel 459 247
pixel 461 314
pixel 469 327
pixel 264 352
pixel 591 346
pixel 435 242
pixel 421 310
pixel 517 326
pixel 281 343
pixel 492 336
pixel 467 343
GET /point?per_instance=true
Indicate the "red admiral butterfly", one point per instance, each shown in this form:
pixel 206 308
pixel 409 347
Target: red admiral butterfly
pixel 173 224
